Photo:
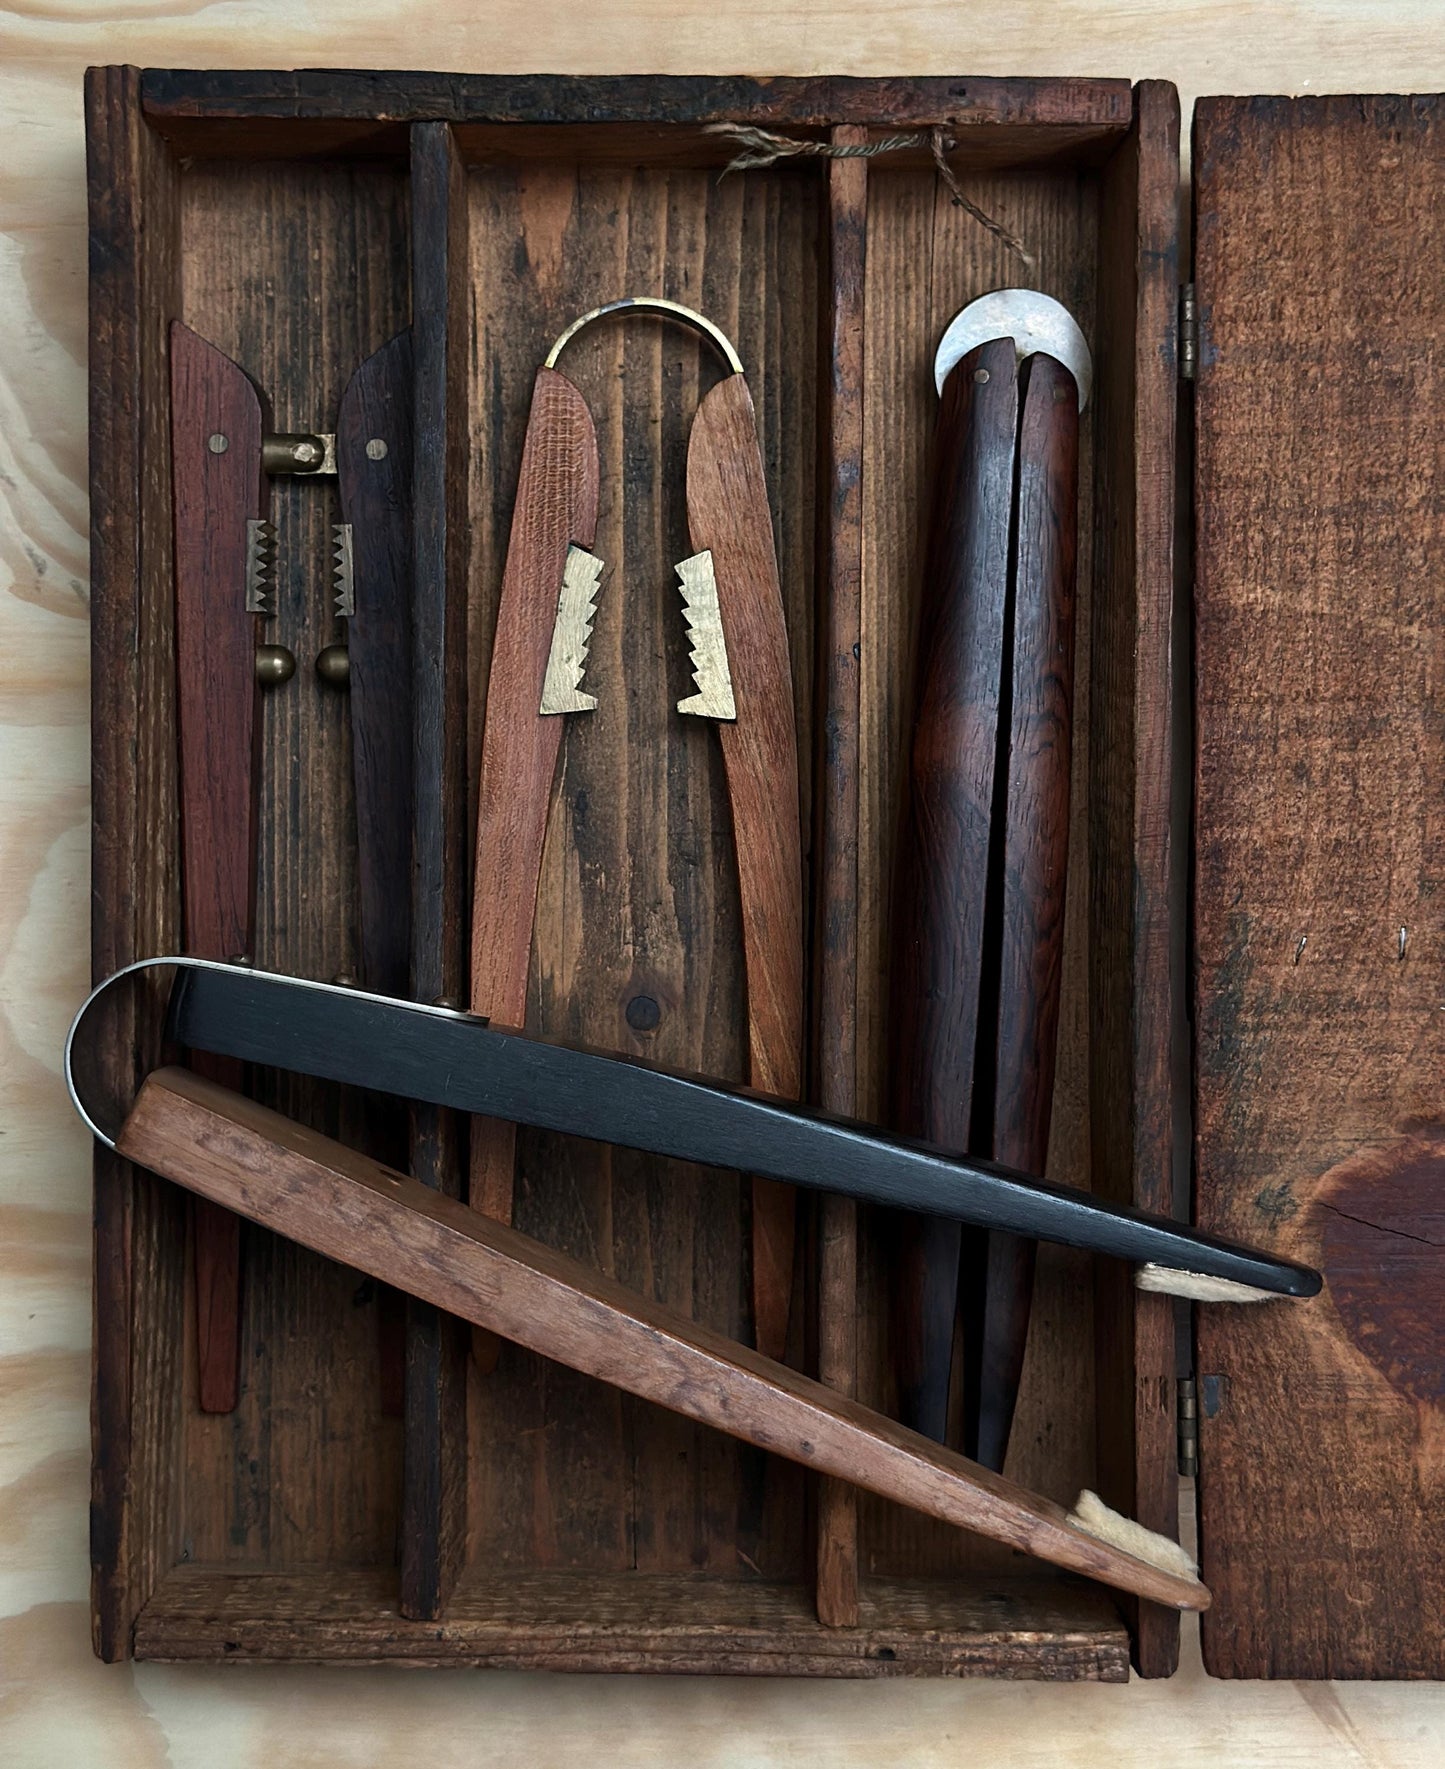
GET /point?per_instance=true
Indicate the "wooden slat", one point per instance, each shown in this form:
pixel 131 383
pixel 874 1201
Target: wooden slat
pixel 1133 995
pixel 433 1531
pixel 562 98
pixel 350 1208
pixel 215 495
pixel 649 1622
pixel 835 922
pixel 1320 267
pixel 139 1233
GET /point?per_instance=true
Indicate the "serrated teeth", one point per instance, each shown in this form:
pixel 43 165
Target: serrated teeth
pixel 345 585
pixel 714 697
pixel 260 564
pixel 571 635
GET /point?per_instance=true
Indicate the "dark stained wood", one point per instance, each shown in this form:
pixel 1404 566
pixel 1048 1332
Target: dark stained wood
pixel 349 1207
pixel 218 486
pixel 375 490
pixel 374 485
pixel 682 1623
pixel 140 1239
pixel 727 514
pixel 555 508
pixel 942 893
pixel 1125 736
pixel 833 1082
pixel 1046 107
pixel 1320 264
pixel 1030 874
pixel 433 1529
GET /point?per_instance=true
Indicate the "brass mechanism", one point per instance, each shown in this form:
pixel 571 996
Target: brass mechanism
pixel 313 455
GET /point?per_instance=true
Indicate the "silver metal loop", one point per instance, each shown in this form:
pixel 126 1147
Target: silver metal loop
pixel 1035 322
pixel 651 304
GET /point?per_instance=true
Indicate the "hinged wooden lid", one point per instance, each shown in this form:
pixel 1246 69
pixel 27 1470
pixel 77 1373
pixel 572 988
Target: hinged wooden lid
pixel 1320 875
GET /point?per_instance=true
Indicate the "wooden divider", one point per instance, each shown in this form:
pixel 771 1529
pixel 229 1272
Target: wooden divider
pixel 835 935
pixel 433 1530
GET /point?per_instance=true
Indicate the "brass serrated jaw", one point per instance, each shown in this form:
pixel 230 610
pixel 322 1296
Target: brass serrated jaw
pixel 344 586
pixel 714 697
pixel 260 566
pixel 571 635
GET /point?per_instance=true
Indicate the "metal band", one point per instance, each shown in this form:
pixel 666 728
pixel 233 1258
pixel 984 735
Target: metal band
pixel 1034 321
pixel 650 304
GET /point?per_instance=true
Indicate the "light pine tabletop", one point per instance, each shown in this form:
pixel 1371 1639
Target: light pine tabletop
pixel 58 1706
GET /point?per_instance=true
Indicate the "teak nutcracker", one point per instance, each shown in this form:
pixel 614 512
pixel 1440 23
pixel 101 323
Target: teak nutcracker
pixel 733 607
pixel 223 458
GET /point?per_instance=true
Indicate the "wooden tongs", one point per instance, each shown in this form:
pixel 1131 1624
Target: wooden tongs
pixel 224 458
pixel 243 1157
pixel 733 607
pixel 979 908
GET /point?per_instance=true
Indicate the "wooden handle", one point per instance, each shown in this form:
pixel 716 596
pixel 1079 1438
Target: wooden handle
pixel 942 883
pixel 1033 876
pixel 217 486
pixel 727 510
pixel 556 506
pixel 350 1208
pixel 374 484
pixel 375 488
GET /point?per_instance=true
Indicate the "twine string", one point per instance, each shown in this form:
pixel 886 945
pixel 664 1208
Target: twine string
pixel 761 147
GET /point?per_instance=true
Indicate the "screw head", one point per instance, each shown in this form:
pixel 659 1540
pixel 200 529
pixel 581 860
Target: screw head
pixel 217 443
pixel 333 665
pixel 376 449
pixel 306 453
pixel 274 665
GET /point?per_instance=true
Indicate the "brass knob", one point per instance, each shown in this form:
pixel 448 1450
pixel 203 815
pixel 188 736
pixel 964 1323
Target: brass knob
pixel 274 665
pixel 333 665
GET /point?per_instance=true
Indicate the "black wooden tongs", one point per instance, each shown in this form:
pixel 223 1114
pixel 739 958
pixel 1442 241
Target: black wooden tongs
pixel 462 1061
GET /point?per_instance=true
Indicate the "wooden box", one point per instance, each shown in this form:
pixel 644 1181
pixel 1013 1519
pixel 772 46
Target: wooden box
pixel 529 1517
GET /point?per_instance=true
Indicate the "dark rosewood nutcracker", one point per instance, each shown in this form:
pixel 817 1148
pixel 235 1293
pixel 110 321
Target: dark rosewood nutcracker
pixel 980 904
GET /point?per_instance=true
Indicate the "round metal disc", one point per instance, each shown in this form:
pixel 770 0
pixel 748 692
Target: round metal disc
pixel 1033 321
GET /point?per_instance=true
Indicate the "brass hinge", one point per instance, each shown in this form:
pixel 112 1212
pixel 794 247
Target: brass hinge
pixel 1188 1427
pixel 1188 333
pixel 311 456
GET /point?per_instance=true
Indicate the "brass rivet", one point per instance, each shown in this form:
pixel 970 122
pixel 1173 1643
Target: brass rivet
pixel 274 665
pixel 376 449
pixel 218 444
pixel 980 375
pixel 333 665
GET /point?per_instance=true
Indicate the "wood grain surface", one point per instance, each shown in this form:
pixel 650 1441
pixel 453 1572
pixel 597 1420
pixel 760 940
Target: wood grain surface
pixel 728 514
pixel 59 1703
pixel 217 490
pixel 944 849
pixel 351 1208
pixel 1320 849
